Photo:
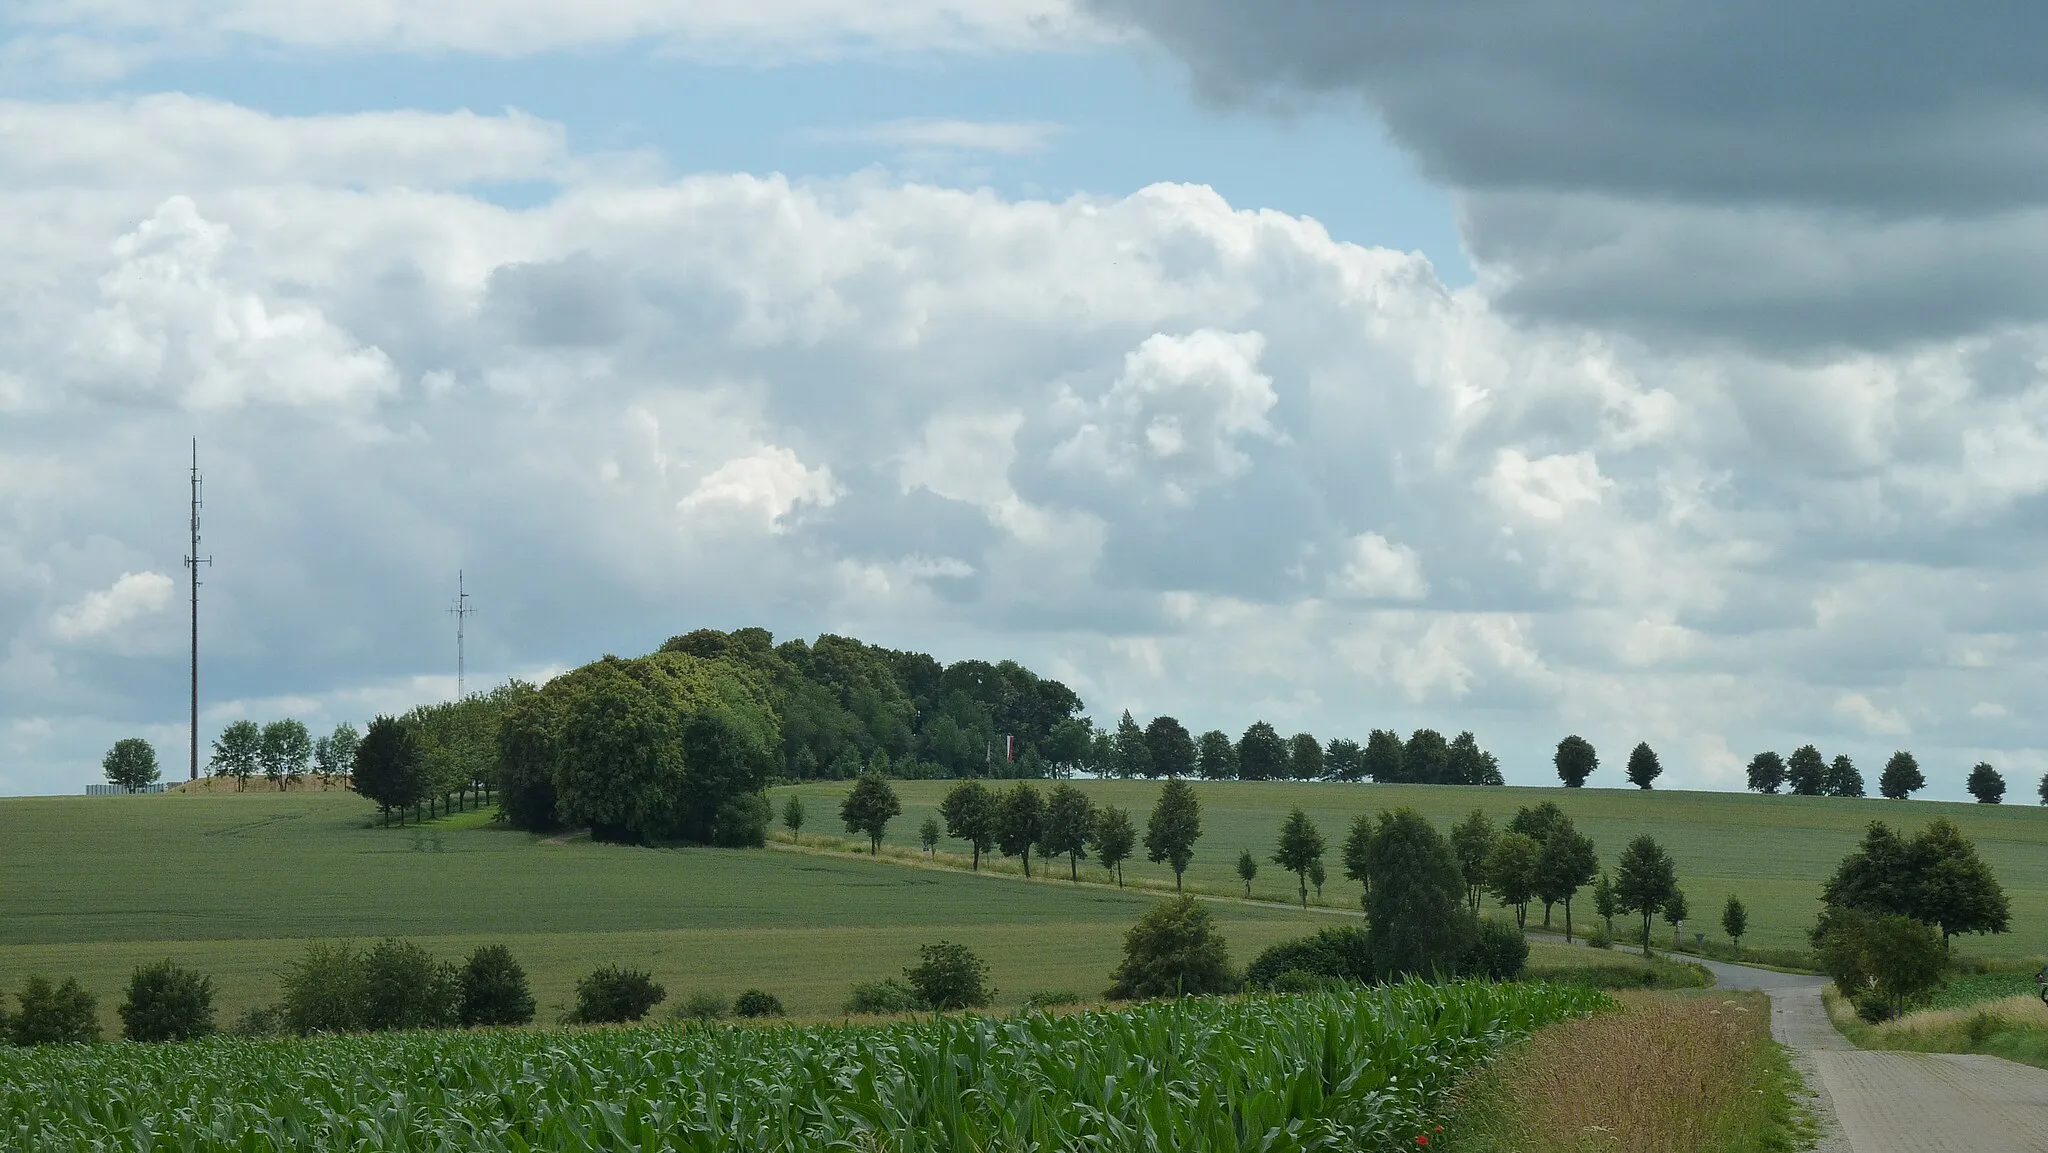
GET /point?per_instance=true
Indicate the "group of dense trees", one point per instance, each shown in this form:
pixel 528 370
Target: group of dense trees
pixel 1806 773
pixel 282 752
pixel 1891 908
pixel 436 757
pixel 1576 759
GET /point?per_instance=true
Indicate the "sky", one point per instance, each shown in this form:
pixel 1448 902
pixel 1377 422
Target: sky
pixel 1649 372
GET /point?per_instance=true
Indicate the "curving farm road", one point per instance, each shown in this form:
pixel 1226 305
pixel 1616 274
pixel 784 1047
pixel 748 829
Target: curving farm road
pixel 1883 1102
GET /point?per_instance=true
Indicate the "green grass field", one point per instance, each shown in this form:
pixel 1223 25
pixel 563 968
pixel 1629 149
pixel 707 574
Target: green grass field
pixel 1773 852
pixel 234 884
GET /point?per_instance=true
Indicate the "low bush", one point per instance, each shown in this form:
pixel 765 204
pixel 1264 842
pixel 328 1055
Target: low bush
pixel 493 989
pixel 890 996
pixel 755 1003
pixel 1341 952
pixel 1599 938
pixel 950 976
pixel 1296 981
pixel 1498 953
pixel 702 1007
pixel 259 1021
pixel 612 995
pixel 60 1014
pixel 1603 973
pixel 167 1003
pixel 325 990
pixel 1051 999
pixel 408 989
pixel 1173 951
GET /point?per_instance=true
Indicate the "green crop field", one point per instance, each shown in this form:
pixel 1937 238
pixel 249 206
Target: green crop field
pixel 1773 852
pixel 233 885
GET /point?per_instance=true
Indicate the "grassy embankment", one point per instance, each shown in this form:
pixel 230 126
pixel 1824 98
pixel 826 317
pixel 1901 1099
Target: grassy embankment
pixel 1697 1073
pixel 1773 852
pixel 1997 1013
pixel 234 885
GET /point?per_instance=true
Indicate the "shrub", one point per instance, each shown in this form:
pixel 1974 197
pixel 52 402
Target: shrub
pixel 1343 952
pixel 259 1021
pixel 741 822
pixel 167 1003
pixel 493 989
pixel 950 976
pixel 755 1003
pixel 62 1014
pixel 408 989
pixel 611 995
pixel 1296 981
pixel 890 996
pixel 1498 953
pixel 1051 998
pixel 326 989
pixel 1599 938
pixel 1173 951
pixel 702 1006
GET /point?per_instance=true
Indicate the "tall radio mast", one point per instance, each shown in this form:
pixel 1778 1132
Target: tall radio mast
pixel 460 611
pixel 192 561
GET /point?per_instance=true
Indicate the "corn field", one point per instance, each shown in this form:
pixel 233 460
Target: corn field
pixel 1360 1070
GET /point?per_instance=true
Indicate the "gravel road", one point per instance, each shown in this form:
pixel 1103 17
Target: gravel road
pixel 1880 1102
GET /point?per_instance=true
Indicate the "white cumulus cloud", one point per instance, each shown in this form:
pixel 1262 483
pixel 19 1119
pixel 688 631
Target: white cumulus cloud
pixel 104 610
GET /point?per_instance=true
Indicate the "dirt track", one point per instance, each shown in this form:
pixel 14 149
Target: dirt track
pixel 1882 1102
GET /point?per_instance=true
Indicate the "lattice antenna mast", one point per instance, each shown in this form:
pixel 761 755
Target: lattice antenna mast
pixel 192 561
pixel 460 611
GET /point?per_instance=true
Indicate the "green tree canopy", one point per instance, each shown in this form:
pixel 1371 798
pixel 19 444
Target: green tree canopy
pixel 1605 904
pixel 237 752
pixel 1301 846
pixel 1173 828
pixel 1575 761
pixel 869 808
pixel 1843 779
pixel 1986 784
pixel 285 751
pixel 1806 773
pixel 1261 754
pixel 1901 778
pixel 1643 766
pixel 1133 753
pixel 1170 748
pixel 1537 821
pixel 131 764
pixel 1426 758
pixel 1344 760
pixel 1766 772
pixel 1465 763
pixel 1735 921
pixel 1472 840
pixel 1383 757
pixel 1020 822
pixel 1247 870
pixel 387 767
pixel 1174 950
pixel 1113 840
pixel 334 755
pixel 1217 758
pixel 1511 872
pixel 1566 862
pixel 1644 881
pixel 1069 822
pixel 1358 848
pixel 1304 757
pixel 972 813
pixel 1675 913
pixel 1415 901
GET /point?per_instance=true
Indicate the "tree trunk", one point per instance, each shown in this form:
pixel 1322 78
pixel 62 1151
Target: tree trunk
pixel 1646 934
pixel 1176 880
pixel 1304 889
pixel 1546 914
pixel 1074 867
pixel 1027 862
pixel 1567 920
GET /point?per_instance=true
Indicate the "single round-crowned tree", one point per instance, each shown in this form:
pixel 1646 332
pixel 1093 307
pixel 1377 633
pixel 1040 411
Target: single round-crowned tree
pixel 1472 840
pixel 1735 921
pixel 237 752
pixel 1304 757
pixel 1605 903
pixel 1358 849
pixel 1806 773
pixel 1384 757
pixel 950 976
pixel 1173 951
pixel 1843 778
pixel 793 815
pixel 1216 757
pixel 1133 755
pixel 1643 766
pixel 869 808
pixel 1901 778
pixel 1986 784
pixel 1344 760
pixel 54 1014
pixel 1171 749
pixel 612 995
pixel 1426 758
pixel 1468 764
pixel 1511 872
pixel 1566 862
pixel 1644 881
pixel 1112 839
pixel 1316 876
pixel 1415 902
pixel 1247 870
pixel 387 768
pixel 286 751
pixel 131 764
pixel 1020 822
pixel 970 810
pixel 1261 754
pixel 1173 828
pixel 493 989
pixel 928 835
pixel 1301 845
pixel 1069 822
pixel 1575 761
pixel 1881 961
pixel 1766 772
pixel 167 1003
pixel 1675 913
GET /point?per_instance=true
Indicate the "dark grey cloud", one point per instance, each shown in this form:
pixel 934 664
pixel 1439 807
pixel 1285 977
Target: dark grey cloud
pixel 1792 176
